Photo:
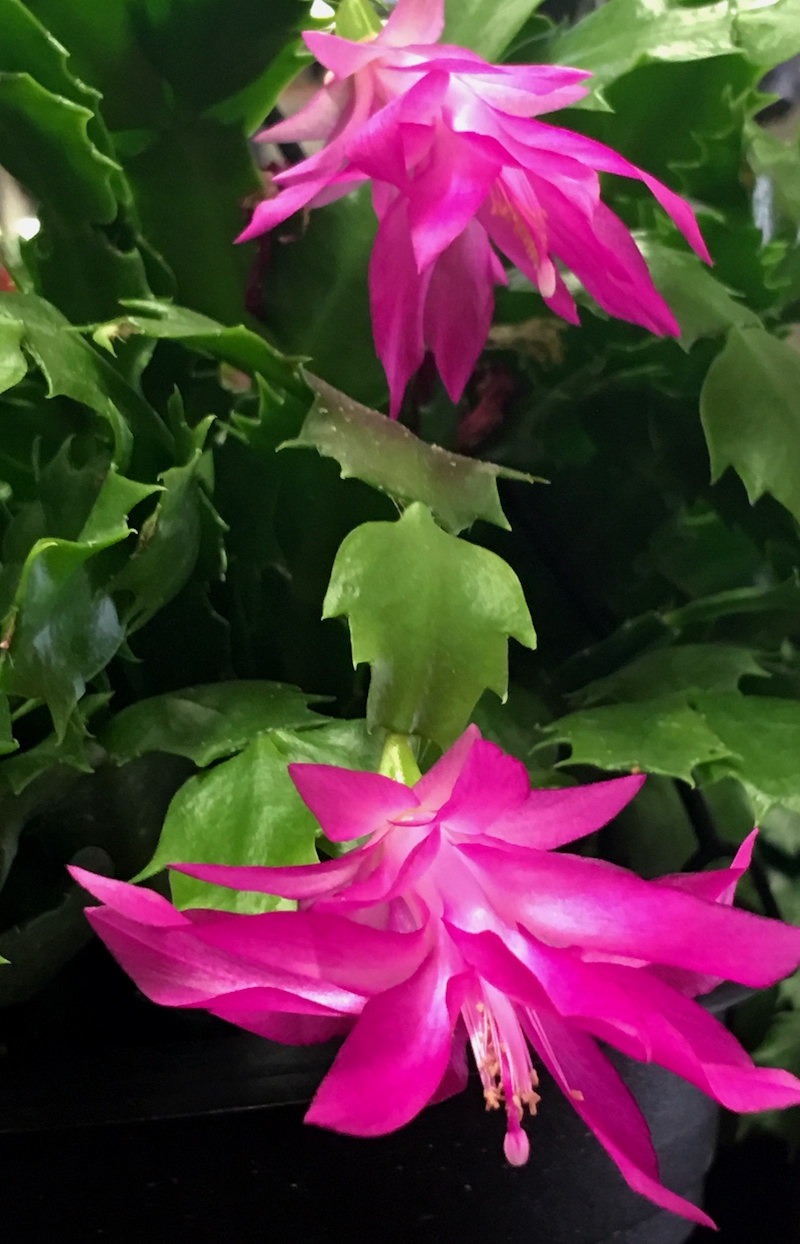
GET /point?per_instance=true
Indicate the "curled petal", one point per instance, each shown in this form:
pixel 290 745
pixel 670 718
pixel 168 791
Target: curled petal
pixel 298 881
pixel 397 299
pixel 435 786
pixel 414 21
pixel 463 273
pixel 490 788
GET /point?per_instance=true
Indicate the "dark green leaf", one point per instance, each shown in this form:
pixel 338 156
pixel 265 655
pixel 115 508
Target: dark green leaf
pixel 207 723
pixel 750 407
pixel 431 614
pixel 763 734
pixel 783 598
pixel 243 811
pixel 699 667
pixel 702 306
pixel 44 144
pixel 168 545
pixel 62 630
pixel 71 367
pixel 391 458
pixel 485 27
pixel 315 296
pixel 240 347
pixel 657 736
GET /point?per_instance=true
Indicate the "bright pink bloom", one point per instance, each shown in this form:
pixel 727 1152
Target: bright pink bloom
pixel 458 919
pixel 460 166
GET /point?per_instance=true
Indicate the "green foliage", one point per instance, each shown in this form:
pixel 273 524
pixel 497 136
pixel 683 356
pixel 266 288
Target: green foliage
pixel 483 26
pixel 431 614
pixel 206 723
pixel 388 456
pixel 750 406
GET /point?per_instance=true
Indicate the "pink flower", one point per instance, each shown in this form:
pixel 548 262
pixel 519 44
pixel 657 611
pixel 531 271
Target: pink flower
pixel 457 920
pixel 461 169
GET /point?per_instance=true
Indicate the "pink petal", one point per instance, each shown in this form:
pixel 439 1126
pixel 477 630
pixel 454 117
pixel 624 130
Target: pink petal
pixel 174 967
pixel 605 258
pixel 602 158
pixel 490 787
pixel 449 191
pixel 397 298
pixel 286 1027
pixel 516 223
pixel 464 274
pixel 395 1058
pixel 349 804
pixel 435 786
pixel 717 885
pixel 343 57
pixel 273 211
pixel 299 881
pixel 414 21
pixel 405 857
pixel 318 946
pixel 132 901
pixel 404 127
pixel 552 818
pixel 606 1106
pixel 316 121
pixel 565 900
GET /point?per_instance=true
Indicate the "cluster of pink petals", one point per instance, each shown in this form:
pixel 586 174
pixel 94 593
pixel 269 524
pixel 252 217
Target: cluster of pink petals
pixel 457 920
pixel 460 166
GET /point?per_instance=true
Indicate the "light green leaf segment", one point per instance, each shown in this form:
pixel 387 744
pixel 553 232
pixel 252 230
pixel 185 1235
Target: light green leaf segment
pixel 432 615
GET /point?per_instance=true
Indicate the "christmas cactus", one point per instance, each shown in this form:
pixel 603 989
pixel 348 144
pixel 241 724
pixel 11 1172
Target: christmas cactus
pixel 400 470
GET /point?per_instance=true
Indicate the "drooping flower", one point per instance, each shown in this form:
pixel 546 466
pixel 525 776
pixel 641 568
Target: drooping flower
pixel 457 919
pixel 461 169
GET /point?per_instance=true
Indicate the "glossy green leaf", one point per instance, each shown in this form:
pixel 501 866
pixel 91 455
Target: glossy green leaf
pixel 145 54
pixel 44 144
pixel 7 741
pixel 245 810
pixel 763 734
pixel 168 545
pixel 656 736
pixel 391 458
pixel 432 615
pixel 750 407
pixel 700 303
pixel 107 521
pixel 624 33
pixel 484 26
pixel 207 723
pixel 62 629
pixel 238 346
pixel 347 744
pixel 13 364
pixel 72 368
pixel 698 667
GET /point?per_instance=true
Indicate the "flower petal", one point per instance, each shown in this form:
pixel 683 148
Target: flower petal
pixel 491 787
pixel 414 21
pixel 606 1105
pixel 318 945
pixel 463 275
pixel 349 804
pixel 396 1057
pixel 435 786
pixel 299 881
pixel 397 299
pixel 132 901
pixel 569 901
pixel 552 818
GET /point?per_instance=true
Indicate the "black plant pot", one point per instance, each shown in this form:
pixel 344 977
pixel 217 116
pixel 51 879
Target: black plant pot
pixel 204 1138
